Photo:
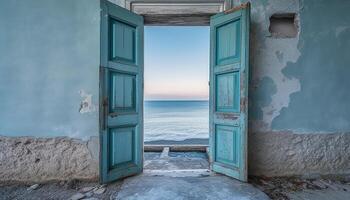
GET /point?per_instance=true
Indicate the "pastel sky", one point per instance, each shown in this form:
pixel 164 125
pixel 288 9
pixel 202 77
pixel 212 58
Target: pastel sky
pixel 176 63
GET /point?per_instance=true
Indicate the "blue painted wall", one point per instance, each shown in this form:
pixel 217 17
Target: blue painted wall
pixel 323 69
pixel 49 61
pixel 300 84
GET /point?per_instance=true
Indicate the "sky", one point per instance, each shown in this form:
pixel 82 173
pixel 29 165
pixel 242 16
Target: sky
pixel 176 63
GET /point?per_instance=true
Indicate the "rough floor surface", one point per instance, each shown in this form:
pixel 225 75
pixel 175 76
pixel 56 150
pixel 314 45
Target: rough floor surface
pixel 337 188
pixel 30 159
pixel 185 188
pixel 63 190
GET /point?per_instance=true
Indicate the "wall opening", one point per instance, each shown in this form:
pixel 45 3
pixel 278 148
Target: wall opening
pixel 176 107
pixel 283 25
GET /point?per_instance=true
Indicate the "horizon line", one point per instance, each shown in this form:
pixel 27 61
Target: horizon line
pixel 176 100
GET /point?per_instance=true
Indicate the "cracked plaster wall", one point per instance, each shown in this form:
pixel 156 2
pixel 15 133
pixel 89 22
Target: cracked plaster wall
pixel 32 159
pixel 299 111
pixel 49 86
pixel 299 84
pixel 298 89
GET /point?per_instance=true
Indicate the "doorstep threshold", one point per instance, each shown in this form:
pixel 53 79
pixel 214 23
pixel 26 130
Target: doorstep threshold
pixel 175 148
pixel 178 172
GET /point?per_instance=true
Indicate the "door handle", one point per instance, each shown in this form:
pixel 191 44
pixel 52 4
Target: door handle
pixel 104 112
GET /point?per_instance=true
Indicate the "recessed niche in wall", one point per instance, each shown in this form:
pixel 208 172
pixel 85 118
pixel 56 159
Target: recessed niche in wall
pixel 283 25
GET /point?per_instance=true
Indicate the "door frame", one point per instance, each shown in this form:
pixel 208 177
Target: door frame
pixel 200 17
pixel 174 12
pixel 120 119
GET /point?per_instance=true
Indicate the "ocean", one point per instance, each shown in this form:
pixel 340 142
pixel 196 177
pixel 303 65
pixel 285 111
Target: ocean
pixel 176 120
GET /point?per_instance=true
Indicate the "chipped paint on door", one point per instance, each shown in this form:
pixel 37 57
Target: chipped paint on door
pixel 229 63
pixel 121 93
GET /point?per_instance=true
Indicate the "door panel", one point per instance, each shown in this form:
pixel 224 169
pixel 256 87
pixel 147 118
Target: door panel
pixel 229 63
pixel 121 87
pixel 122 41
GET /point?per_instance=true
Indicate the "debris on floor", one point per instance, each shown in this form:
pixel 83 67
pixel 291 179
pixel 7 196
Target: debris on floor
pixel 77 196
pixel 283 188
pixel 73 189
pixel 33 187
pixel 184 175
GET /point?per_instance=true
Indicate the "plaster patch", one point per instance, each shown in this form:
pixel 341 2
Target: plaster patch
pixel 285 86
pixel 269 56
pixel 279 56
pixel 340 29
pixel 86 105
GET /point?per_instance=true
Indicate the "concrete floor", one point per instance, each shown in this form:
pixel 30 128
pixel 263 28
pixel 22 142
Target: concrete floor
pixel 177 176
pixel 180 176
pixel 167 175
pixel 216 187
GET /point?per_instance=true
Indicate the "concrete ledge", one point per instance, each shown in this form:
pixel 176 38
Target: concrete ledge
pixel 30 159
pixel 175 148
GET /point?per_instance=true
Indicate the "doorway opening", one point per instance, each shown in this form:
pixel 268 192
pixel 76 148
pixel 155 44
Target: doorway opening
pixel 176 93
pixel 122 88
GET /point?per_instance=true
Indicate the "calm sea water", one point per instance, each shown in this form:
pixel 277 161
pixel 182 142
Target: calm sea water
pixel 176 120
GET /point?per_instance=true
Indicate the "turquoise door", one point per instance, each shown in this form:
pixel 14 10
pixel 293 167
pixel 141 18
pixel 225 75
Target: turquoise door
pixel 229 63
pixel 121 96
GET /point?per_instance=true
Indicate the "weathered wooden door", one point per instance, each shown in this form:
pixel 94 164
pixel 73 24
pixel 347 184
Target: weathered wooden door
pixel 121 86
pixel 229 63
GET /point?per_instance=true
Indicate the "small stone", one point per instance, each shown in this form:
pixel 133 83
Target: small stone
pixel 88 194
pixel 304 185
pixel 91 198
pixel 330 185
pixel 86 189
pixel 319 184
pixel 33 187
pixel 100 190
pixel 103 185
pixel 77 196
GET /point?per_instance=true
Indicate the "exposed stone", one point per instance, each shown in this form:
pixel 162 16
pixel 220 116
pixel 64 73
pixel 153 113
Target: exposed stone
pixel 89 194
pixel 319 184
pixel 86 189
pixel 289 154
pixel 29 159
pixel 100 190
pixel 77 196
pixel 33 187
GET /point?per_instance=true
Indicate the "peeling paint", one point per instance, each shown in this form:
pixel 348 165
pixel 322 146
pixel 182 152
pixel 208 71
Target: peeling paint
pixel 269 56
pixel 86 105
pixel 322 104
pixel 340 29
